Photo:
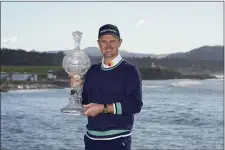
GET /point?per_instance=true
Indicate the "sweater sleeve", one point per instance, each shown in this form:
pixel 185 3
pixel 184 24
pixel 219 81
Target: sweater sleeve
pixel 132 102
pixel 84 91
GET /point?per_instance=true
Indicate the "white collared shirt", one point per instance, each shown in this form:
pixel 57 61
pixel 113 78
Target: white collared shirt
pixel 114 62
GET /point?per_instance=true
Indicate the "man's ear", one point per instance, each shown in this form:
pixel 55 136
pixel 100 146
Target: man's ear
pixel 120 42
pixel 98 43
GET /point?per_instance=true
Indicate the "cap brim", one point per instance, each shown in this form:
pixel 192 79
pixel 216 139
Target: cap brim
pixel 110 34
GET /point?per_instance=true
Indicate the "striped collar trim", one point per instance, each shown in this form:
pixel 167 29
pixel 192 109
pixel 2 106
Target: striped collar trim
pixel 107 69
pixel 107 135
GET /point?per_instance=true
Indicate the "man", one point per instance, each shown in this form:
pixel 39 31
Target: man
pixel 112 94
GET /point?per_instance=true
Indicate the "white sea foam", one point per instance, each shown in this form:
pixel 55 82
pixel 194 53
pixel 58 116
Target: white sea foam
pixel 28 91
pixel 152 86
pixel 186 83
pixel 221 76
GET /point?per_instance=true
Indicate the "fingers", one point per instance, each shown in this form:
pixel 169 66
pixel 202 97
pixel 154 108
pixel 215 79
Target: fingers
pixel 71 81
pixel 89 110
pixel 70 76
pixel 92 109
pixel 76 76
pixel 88 113
pixel 74 80
pixel 88 105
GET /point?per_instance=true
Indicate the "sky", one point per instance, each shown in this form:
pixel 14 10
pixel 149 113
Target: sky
pixel 147 27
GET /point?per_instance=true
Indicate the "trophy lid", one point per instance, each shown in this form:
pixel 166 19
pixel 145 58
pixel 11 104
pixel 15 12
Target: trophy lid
pixel 77 35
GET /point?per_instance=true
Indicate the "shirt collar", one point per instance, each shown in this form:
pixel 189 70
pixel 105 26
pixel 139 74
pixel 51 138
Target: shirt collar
pixel 112 63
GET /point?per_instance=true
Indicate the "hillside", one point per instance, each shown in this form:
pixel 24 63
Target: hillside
pixel 95 52
pixel 201 53
pixel 195 61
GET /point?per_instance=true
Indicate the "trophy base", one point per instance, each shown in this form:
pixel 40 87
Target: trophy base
pixel 72 111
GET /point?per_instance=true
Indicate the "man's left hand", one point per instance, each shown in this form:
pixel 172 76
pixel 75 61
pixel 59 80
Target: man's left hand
pixel 93 109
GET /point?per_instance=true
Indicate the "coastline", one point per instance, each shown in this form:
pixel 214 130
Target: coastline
pixel 21 85
pixel 54 84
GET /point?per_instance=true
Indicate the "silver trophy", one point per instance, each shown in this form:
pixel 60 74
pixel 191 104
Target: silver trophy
pixel 76 63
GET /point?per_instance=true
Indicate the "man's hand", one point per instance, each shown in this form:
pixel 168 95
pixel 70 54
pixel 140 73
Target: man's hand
pixel 93 109
pixel 75 81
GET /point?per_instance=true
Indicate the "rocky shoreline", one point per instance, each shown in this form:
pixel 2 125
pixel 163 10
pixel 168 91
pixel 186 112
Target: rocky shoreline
pixel 7 86
pixel 57 84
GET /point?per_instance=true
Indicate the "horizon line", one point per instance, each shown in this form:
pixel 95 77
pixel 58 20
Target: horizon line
pixel 119 49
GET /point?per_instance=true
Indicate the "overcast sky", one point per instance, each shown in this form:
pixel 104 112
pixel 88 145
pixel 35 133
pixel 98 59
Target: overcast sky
pixel 150 27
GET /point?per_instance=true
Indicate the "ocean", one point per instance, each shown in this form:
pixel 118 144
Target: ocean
pixel 176 115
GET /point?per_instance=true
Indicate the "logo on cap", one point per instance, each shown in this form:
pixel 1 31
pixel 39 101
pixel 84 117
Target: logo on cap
pixel 108 30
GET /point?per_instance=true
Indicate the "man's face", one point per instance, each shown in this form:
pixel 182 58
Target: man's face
pixel 109 45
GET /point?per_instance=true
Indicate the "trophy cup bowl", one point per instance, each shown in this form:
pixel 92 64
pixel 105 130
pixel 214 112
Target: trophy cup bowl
pixel 75 63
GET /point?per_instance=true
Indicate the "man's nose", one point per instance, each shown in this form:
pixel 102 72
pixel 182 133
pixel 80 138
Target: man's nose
pixel 108 45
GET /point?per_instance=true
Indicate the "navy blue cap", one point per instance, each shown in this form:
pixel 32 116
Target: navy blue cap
pixel 109 29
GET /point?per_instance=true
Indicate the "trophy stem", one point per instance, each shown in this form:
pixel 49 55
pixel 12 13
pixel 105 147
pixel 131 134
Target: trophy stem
pixel 77 46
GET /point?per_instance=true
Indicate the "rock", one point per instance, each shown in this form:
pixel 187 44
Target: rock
pixel 3 89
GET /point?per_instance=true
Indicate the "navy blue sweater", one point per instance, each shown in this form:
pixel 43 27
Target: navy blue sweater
pixel 122 86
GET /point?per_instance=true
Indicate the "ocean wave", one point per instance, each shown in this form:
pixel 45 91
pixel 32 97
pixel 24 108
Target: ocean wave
pixel 189 121
pixel 152 86
pixel 186 83
pixel 221 76
pixel 28 91
pixel 33 90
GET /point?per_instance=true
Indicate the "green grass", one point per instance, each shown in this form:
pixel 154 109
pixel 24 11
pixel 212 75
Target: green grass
pixel 30 69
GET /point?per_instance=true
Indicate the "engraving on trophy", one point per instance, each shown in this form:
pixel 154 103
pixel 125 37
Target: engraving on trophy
pixel 76 63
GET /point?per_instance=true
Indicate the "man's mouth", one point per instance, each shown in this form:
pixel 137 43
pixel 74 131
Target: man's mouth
pixel 108 50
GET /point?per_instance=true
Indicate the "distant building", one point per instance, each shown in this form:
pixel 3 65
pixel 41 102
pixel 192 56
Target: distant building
pixel 157 66
pixel 5 76
pixel 153 65
pixel 17 76
pixel 51 75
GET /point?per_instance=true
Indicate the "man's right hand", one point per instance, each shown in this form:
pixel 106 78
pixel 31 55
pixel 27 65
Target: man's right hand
pixel 75 81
